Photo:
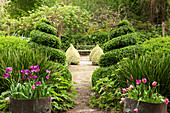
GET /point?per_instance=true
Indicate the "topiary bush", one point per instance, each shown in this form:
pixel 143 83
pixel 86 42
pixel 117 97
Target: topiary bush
pixel 121 41
pixel 156 45
pixel 93 51
pixel 53 54
pixel 44 27
pixel 45 39
pixel 121 31
pixel 72 55
pixel 101 72
pixel 124 23
pixel 96 56
pixel 46 21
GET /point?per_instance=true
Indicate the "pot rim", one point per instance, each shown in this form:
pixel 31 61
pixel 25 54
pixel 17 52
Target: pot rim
pixel 145 102
pixel 43 98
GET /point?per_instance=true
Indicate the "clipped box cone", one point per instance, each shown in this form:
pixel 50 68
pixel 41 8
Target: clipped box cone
pixel 93 51
pixel 96 56
pixel 72 55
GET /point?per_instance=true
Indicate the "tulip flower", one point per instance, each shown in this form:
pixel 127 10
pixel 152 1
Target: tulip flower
pixel 9 69
pixel 144 80
pixel 6 75
pixel 124 90
pixel 138 81
pixel 7 99
pixel 33 87
pixel 38 83
pixel 166 101
pixel 48 71
pixel 47 77
pixel 154 83
pixel 34 77
pixel 136 110
pixel 131 78
pixel 52 98
pixel 123 99
pixel 121 102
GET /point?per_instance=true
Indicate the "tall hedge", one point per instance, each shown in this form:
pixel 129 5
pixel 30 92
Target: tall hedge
pixel 54 54
pixel 44 27
pixel 157 45
pixel 121 41
pixel 45 39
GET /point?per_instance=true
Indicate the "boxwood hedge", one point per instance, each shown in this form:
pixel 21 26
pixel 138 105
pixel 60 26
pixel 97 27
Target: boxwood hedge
pixel 42 26
pixel 46 21
pixel 118 31
pixel 121 41
pixel 45 39
pixel 156 45
pixel 123 23
pixel 54 54
pixel 101 72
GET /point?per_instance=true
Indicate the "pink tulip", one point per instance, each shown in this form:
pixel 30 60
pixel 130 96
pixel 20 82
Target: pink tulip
pixel 9 69
pixel 124 90
pixel 131 78
pixel 144 80
pixel 121 102
pixel 127 82
pixel 7 99
pixel 33 87
pixel 154 83
pixel 47 77
pixel 52 98
pixel 34 77
pixel 130 87
pixel 138 81
pixel 38 83
pixel 136 110
pixel 123 99
pixel 166 101
pixel 48 71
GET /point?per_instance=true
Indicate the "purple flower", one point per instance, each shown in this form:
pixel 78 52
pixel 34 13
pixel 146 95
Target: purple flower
pixel 32 67
pixel 124 90
pixel 138 81
pixel 130 87
pixel 26 71
pixel 48 71
pixel 22 71
pixel 6 75
pixel 144 80
pixel 38 83
pixel 131 77
pixel 23 77
pixel 34 77
pixel 7 99
pixel 54 70
pixel 33 87
pixel 47 77
pixel 9 69
pixel 36 68
pixel 121 102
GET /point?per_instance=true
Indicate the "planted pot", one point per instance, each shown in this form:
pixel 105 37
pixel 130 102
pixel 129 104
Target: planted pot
pixel 42 105
pixel 144 107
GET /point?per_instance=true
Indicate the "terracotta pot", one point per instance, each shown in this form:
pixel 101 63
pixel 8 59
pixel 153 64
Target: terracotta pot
pixel 144 107
pixel 42 105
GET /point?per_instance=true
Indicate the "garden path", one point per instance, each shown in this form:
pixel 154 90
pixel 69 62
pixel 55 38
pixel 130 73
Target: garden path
pixel 81 74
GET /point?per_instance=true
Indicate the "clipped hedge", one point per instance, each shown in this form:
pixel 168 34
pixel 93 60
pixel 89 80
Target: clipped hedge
pixel 45 39
pixel 93 51
pixel 123 23
pixel 101 72
pixel 121 41
pixel 156 45
pixel 100 37
pixel 45 21
pixel 3 33
pixel 42 26
pixel 54 54
pixel 123 30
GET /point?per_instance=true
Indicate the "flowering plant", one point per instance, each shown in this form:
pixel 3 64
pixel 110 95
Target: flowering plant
pixel 29 86
pixel 142 92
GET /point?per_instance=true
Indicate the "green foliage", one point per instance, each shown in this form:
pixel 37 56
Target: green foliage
pixel 53 54
pixel 107 94
pixel 11 41
pixel 118 31
pixel 66 41
pixel 121 41
pixel 3 33
pixel 45 21
pixel 101 72
pixel 42 26
pixel 96 56
pixel 123 23
pixel 153 67
pixel 156 45
pixel 45 39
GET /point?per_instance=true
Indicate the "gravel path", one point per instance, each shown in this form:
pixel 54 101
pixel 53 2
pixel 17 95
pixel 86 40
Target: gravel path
pixel 82 75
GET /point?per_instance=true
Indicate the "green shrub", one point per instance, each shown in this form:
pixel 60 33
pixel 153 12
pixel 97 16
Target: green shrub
pixel 121 41
pixel 66 41
pixel 156 45
pixel 53 54
pixel 100 37
pixel 3 33
pixel 45 21
pixel 42 26
pixel 72 55
pixel 123 23
pixel 11 41
pixel 45 39
pixel 152 67
pixel 93 51
pixel 121 31
pixel 101 72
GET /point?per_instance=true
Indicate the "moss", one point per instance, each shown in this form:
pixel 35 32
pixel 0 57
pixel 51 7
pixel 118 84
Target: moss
pixel 72 55
pixel 93 51
pixel 96 56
